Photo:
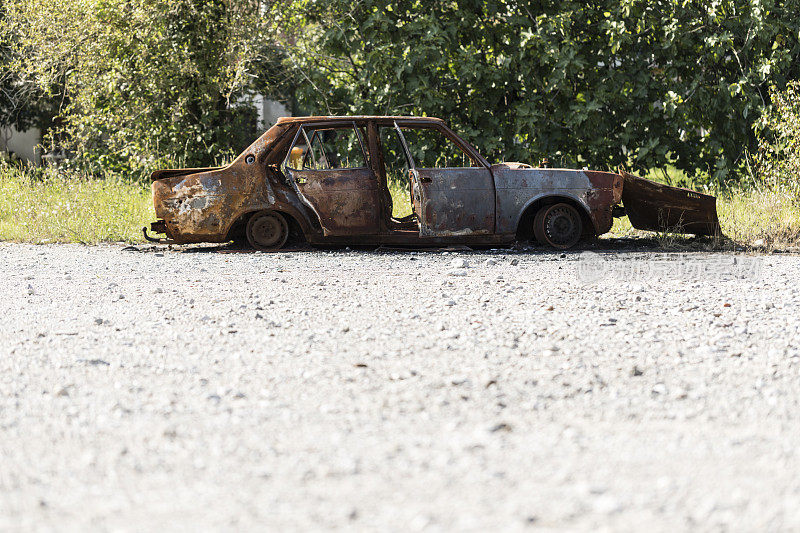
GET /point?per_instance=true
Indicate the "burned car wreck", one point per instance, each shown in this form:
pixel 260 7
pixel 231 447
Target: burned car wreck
pixel 326 180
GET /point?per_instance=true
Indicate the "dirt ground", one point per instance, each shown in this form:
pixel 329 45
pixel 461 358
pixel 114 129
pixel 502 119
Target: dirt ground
pixel 147 388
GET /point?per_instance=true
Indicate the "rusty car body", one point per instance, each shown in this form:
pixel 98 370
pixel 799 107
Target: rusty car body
pixel 326 180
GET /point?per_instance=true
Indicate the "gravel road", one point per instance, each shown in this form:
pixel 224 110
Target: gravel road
pixel 154 388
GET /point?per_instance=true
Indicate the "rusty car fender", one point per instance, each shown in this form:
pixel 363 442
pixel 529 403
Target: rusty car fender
pixel 606 192
pixel 202 205
pixel 562 194
pixel 193 206
pixel 205 206
pixel 519 188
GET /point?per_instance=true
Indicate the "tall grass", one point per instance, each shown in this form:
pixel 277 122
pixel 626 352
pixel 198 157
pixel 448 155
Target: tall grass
pixel 401 198
pixel 49 205
pixel 764 218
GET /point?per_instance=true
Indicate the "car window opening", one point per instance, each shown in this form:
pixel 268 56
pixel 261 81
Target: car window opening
pixel 328 149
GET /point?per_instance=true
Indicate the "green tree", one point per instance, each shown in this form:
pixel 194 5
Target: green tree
pixel 143 83
pixel 777 162
pixel 17 107
pixel 644 83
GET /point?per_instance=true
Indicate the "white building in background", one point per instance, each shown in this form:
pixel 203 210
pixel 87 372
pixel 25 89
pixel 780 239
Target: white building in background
pixel 25 144
pixel 269 111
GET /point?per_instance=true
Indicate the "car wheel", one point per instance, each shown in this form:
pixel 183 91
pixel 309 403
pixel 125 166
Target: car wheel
pixel 558 225
pixel 267 230
pixel 538 232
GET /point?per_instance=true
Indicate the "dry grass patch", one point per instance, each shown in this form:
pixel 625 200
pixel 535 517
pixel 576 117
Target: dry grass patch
pixel 401 199
pixel 47 205
pixel 756 219
pixel 767 219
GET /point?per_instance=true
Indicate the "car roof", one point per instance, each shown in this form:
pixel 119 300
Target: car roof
pixel 334 118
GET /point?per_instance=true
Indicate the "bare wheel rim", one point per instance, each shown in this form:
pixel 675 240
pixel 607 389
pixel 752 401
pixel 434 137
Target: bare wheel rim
pixel 562 226
pixel 267 230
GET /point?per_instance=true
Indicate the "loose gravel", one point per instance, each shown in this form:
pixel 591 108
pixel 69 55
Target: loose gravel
pixel 147 389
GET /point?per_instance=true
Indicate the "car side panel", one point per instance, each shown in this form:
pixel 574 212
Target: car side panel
pixel 347 201
pixel 202 206
pixel 454 201
pixel 518 188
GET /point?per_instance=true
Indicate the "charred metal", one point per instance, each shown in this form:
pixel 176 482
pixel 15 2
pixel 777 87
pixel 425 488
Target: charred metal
pixel 326 180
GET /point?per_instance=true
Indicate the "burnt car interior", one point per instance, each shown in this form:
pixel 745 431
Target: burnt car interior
pixel 396 169
pixel 419 159
pixel 328 167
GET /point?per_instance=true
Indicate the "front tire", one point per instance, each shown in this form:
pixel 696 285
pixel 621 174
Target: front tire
pixel 267 230
pixel 558 225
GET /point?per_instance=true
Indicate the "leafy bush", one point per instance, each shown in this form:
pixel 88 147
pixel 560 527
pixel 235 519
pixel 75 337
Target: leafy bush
pixel 142 83
pixel 636 82
pixel 778 158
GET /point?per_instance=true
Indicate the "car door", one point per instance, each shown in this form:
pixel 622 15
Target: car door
pixel 452 191
pixel 328 168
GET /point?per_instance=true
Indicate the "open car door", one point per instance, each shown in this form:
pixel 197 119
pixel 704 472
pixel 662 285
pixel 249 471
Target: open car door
pixel 333 178
pixel 658 207
pixel 448 200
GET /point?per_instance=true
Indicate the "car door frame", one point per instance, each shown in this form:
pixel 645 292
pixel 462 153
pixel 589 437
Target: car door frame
pixel 346 201
pixel 460 214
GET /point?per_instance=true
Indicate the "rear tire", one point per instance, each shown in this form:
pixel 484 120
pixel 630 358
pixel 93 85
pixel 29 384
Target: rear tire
pixel 267 230
pixel 559 226
pixel 538 232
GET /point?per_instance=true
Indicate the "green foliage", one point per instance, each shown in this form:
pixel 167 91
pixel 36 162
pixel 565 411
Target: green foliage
pixel 636 82
pixel 777 161
pixel 140 84
pixel 431 149
pixel 17 108
pixel 144 83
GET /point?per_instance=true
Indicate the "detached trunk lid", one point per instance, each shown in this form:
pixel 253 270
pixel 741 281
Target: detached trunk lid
pixel 657 207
